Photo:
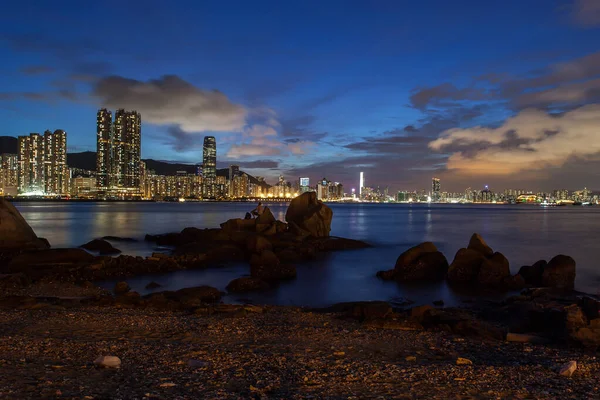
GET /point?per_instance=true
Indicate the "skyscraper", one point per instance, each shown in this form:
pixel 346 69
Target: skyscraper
pixel 234 171
pixel 435 189
pixel 103 148
pixel 304 184
pixel 9 174
pixel 209 167
pixel 31 163
pixel 56 172
pixel 361 185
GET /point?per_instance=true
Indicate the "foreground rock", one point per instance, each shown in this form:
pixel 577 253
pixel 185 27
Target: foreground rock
pixel 15 232
pixel 422 262
pixel 108 362
pixel 100 246
pixel 307 214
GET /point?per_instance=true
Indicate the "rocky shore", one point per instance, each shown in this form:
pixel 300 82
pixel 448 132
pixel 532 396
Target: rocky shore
pixel 64 337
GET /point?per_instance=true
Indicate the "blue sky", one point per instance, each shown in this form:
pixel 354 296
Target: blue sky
pixel 499 93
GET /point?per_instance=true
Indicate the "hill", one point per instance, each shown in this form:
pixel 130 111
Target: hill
pixel 9 144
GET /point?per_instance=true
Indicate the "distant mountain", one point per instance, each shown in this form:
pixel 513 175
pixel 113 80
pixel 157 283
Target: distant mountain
pixel 87 160
pixel 9 144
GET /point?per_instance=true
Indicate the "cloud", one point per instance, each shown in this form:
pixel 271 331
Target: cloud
pixel 171 100
pixel 252 150
pixel 36 70
pixel 300 147
pixel 423 98
pixel 587 12
pixel 531 140
pixel 259 164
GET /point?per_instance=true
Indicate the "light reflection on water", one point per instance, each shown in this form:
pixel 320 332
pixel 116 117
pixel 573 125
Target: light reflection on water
pixel 524 234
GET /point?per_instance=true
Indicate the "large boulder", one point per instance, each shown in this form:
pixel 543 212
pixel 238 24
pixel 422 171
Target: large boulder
pixel 560 273
pixel 15 232
pixel 247 284
pixel 265 258
pixel 266 217
pixel 52 256
pixel 421 262
pixel 478 244
pixel 466 266
pixel 238 224
pixel 494 270
pixel 101 246
pixel 258 243
pixel 310 215
pixel 532 274
pixel 194 296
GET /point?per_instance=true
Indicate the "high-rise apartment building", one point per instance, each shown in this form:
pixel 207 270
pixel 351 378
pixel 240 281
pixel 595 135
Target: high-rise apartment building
pixel 103 148
pixel 304 185
pixel 435 189
pixel 234 170
pixel 9 174
pixel 118 158
pixel 56 172
pixel 209 167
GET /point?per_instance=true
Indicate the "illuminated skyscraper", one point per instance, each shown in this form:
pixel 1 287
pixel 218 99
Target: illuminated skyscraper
pixel 31 163
pixel 304 185
pixel 361 184
pixel 56 172
pixel 209 167
pixel 435 189
pixel 9 174
pixel 103 148
pixel 234 171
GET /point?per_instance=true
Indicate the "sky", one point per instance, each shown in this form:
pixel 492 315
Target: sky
pixel 505 94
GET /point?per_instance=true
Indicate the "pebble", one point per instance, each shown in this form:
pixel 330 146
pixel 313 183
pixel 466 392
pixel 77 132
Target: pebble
pixel 568 369
pixel 463 361
pixel 108 362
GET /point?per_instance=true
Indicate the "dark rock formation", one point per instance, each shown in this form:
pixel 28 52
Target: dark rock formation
pixel 153 285
pixel 15 232
pixel 119 239
pixel 560 273
pixel 258 243
pixel 466 266
pixel 421 262
pixel 34 258
pixel 266 218
pixel 478 244
pixel 247 284
pixel 307 214
pixel 532 274
pixel 494 270
pixel 196 295
pixel 273 273
pixel 121 288
pixel 100 246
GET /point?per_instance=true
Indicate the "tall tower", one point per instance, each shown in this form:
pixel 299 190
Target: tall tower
pixel 127 146
pixel 361 185
pixel 209 167
pixel 435 189
pixel 55 162
pixel 234 171
pixel 103 148
pixel 31 163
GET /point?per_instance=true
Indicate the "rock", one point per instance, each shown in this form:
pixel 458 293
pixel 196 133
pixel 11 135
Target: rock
pixel 411 358
pixel 310 215
pixel 225 253
pixel 15 232
pixel 101 246
pixel 288 256
pixel 478 244
pixel 370 310
pixel 590 307
pixel 266 217
pixel 515 282
pixel 560 273
pixel 420 311
pixel 271 273
pixel 239 224
pixel 588 336
pixel 153 285
pixel 568 369
pixel 129 299
pixel 463 361
pixel 108 362
pixel 195 295
pixel 281 226
pixel 532 274
pixel 52 256
pixel 494 270
pixel 119 239
pixel 247 284
pixel 266 258
pixel 574 318
pixel 197 363
pixel 525 338
pixel 258 243
pixel 338 244
pixel 270 231
pixel 121 288
pixel 387 275
pixel 421 262
pixel 465 267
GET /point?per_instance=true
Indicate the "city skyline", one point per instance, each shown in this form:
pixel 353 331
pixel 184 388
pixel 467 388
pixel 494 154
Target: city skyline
pixel 395 91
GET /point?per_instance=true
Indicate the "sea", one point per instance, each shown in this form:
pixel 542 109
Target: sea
pixel 523 233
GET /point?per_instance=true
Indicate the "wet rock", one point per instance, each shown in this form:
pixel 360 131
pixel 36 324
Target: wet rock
pixel 493 271
pixel 465 267
pixel 153 285
pixel 197 295
pixel 266 218
pixel 108 362
pixel 121 288
pixel 532 274
pixel 247 284
pixel 370 310
pixel 101 246
pixel 119 239
pixel 387 275
pixel 239 224
pixel 568 369
pixel 478 244
pixel 422 262
pixel 52 256
pixel 258 243
pixel 15 232
pixel 310 215
pixel 338 244
pixel 560 273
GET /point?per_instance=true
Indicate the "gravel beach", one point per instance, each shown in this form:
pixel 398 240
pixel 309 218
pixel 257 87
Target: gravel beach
pixel 267 352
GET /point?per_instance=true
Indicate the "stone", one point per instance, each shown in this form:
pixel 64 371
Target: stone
pixel 108 362
pixel 494 270
pixel 310 215
pixel 465 266
pixel 338 244
pixel 574 318
pixel 515 282
pixel 122 288
pixel 590 307
pixel 238 224
pixel 560 273
pixel 266 217
pixel 225 253
pixel 119 239
pixel 52 256
pixel 197 295
pixel 568 369
pixel 411 358
pixel 15 232
pixel 387 275
pixel 281 226
pixel 428 266
pixel 420 311
pixel 258 243
pixel 532 274
pixel 288 256
pixel 370 310
pixel 412 254
pixel 197 363
pixel 463 361
pixel 153 285
pixel 478 244
pixel 266 258
pixel 247 284
pixel 525 338
pixel 588 336
pixel 100 246
pixel 129 298
pixel 270 231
